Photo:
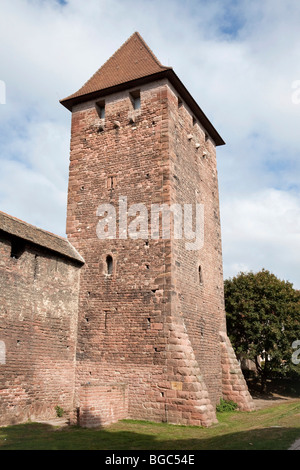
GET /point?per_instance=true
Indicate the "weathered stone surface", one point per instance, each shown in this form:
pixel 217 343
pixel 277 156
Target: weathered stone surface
pixel 38 324
pixel 234 384
pixel 146 318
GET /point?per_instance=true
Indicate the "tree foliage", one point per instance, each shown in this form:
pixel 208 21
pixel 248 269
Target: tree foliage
pixel 263 320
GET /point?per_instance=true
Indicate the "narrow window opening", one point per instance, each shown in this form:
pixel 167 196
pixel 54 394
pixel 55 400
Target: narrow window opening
pixel 17 248
pixel 206 137
pixel 111 182
pixel 109 265
pixel 135 97
pixel 180 103
pixel 200 275
pixel 100 108
pixel 105 320
pixel 194 121
pixel 35 270
pixel 137 103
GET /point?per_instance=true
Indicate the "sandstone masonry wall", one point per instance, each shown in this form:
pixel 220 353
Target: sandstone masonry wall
pixel 150 310
pixel 101 405
pixel 121 337
pixel 38 325
pixel 130 328
pixel 197 273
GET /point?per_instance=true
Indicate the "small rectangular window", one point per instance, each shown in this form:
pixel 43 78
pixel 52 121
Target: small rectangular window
pixel 200 276
pixel 135 97
pixel 179 102
pixel 100 107
pixel 111 182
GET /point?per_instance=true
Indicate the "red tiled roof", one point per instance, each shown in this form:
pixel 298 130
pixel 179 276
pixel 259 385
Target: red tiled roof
pixel 18 228
pixel 131 61
pixel 134 64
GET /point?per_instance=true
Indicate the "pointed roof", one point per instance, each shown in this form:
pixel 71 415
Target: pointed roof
pixel 131 61
pixel 134 64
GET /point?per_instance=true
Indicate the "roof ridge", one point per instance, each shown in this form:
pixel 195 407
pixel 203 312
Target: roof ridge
pixel 149 50
pixel 75 250
pixel 107 68
pixel 32 226
pixel 31 233
pixel 109 58
pixel 134 65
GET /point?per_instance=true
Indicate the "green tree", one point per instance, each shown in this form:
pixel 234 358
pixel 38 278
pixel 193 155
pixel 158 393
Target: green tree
pixel 263 320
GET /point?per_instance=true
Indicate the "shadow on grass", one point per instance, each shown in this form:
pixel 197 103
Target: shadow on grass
pixel 286 387
pixel 34 436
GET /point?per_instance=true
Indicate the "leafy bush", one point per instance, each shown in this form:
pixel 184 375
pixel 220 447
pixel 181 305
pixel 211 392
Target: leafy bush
pixel 226 405
pixel 59 411
pixel 262 315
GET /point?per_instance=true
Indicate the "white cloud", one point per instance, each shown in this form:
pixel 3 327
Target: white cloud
pixel 239 61
pixel 262 230
pixel 30 196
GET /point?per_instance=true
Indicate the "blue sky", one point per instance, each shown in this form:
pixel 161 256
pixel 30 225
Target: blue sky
pixel 240 60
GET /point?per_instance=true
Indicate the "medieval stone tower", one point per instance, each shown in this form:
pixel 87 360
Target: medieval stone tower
pixel 151 327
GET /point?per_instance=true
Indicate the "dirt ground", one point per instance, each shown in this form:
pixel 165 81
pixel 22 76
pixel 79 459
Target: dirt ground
pixel 270 400
pixel 260 403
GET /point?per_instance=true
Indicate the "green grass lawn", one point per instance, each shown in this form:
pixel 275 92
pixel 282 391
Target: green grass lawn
pixel 272 428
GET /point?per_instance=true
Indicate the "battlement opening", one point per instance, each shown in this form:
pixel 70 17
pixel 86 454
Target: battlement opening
pixel 17 248
pixel 100 108
pixel 135 97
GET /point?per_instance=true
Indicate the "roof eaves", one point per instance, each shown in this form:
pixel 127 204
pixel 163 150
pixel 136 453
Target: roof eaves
pixel 39 237
pixel 74 100
pixel 168 73
pixel 195 108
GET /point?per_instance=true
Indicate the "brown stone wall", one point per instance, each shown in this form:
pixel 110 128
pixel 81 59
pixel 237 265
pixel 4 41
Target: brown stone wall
pixel 149 323
pixel 101 405
pixel 126 330
pixel 121 316
pixel 198 296
pixel 234 385
pixel 38 325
